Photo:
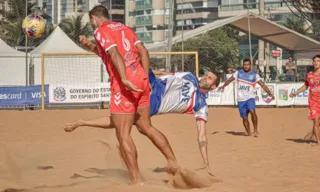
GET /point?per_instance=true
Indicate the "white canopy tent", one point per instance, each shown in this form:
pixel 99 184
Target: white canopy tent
pixel 13 66
pixel 260 27
pixel 66 69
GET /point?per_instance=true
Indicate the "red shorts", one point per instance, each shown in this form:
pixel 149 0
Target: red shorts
pixel 127 102
pixel 314 107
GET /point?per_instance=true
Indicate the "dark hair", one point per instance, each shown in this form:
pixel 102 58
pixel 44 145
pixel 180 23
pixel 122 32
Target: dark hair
pixel 316 56
pixel 99 11
pixel 247 60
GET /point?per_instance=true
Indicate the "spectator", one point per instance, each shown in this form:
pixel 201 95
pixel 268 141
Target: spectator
pixel 291 68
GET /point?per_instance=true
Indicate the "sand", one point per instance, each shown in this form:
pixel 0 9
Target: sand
pixel 37 155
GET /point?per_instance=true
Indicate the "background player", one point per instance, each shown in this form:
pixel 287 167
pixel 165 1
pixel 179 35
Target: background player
pixel 174 93
pixel 246 80
pixel 119 48
pixel 313 82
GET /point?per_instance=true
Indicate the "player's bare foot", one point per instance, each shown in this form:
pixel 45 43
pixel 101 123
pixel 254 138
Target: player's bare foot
pixel 256 134
pixel 172 168
pixel 69 127
pixel 315 144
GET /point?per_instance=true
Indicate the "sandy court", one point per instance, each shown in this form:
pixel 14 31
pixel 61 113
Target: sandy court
pixel 37 154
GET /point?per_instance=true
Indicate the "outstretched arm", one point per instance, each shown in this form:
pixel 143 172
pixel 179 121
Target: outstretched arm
pixel 104 123
pixel 265 88
pixel 302 89
pixel 227 82
pixel 202 140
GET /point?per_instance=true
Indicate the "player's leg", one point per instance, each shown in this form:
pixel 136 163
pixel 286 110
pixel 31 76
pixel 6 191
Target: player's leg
pixel 123 107
pixel 316 122
pixel 251 105
pixel 103 122
pixel 144 125
pixel 242 106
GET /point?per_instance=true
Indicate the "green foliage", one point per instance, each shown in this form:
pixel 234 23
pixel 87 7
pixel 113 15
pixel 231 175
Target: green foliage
pixel 11 26
pixel 218 50
pixel 297 24
pixel 74 26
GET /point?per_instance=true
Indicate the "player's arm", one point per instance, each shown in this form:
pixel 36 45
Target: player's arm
pixel 232 78
pixel 109 45
pixel 265 88
pixel 202 140
pixel 161 73
pixel 118 62
pixel 144 53
pixel 201 119
pixel 86 43
pixel 302 89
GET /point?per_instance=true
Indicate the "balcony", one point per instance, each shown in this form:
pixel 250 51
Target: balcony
pixel 146 37
pixel 237 7
pixel 143 20
pixel 143 5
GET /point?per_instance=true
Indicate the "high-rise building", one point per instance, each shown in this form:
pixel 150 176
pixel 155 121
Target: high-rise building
pixel 150 18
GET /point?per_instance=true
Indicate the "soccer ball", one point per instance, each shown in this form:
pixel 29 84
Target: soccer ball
pixel 34 26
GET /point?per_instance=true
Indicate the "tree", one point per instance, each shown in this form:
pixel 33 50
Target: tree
pixel 218 50
pixel 308 10
pixel 297 24
pixel 74 26
pixel 11 24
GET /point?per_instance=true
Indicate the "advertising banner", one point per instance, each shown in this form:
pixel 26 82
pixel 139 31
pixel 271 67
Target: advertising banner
pixel 30 95
pixel 84 93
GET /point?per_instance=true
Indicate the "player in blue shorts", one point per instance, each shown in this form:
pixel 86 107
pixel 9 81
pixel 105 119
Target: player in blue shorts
pixel 181 93
pixel 246 80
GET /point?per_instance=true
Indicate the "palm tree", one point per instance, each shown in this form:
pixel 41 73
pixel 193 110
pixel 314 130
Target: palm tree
pixel 74 26
pixel 297 24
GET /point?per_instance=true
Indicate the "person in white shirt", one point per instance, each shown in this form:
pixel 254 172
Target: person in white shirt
pixel 180 93
pixel 246 80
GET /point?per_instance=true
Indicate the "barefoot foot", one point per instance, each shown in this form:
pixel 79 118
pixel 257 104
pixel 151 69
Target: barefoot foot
pixel 69 127
pixel 256 134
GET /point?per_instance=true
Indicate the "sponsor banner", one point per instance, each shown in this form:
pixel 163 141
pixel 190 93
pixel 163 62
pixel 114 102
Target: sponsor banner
pixel 85 93
pixel 30 95
pixel 284 91
pixel 262 97
pixel 222 97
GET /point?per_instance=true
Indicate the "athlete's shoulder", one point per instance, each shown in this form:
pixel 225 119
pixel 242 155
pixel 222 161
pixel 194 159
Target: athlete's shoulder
pixel 189 77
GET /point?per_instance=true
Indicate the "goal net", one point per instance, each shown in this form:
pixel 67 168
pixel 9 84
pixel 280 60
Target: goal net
pixel 78 79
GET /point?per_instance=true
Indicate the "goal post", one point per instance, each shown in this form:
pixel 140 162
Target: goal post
pixel 63 75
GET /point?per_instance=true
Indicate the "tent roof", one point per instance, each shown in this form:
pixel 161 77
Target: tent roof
pixel 260 27
pixel 58 42
pixel 6 50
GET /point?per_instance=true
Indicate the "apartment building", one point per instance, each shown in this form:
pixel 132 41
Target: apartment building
pixel 150 18
pixel 275 10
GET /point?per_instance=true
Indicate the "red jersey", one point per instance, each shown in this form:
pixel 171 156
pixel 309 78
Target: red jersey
pixel 313 82
pixel 111 34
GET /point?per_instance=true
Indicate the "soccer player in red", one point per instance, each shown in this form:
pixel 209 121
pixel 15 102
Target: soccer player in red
pixel 313 82
pixel 119 48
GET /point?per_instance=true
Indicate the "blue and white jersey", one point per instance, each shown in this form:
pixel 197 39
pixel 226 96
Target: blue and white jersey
pixel 246 82
pixel 180 94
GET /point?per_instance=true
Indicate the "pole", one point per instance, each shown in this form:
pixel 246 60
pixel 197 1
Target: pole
pixel 261 43
pixel 111 12
pixel 182 43
pixel 26 47
pixel 170 27
pixel 249 27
